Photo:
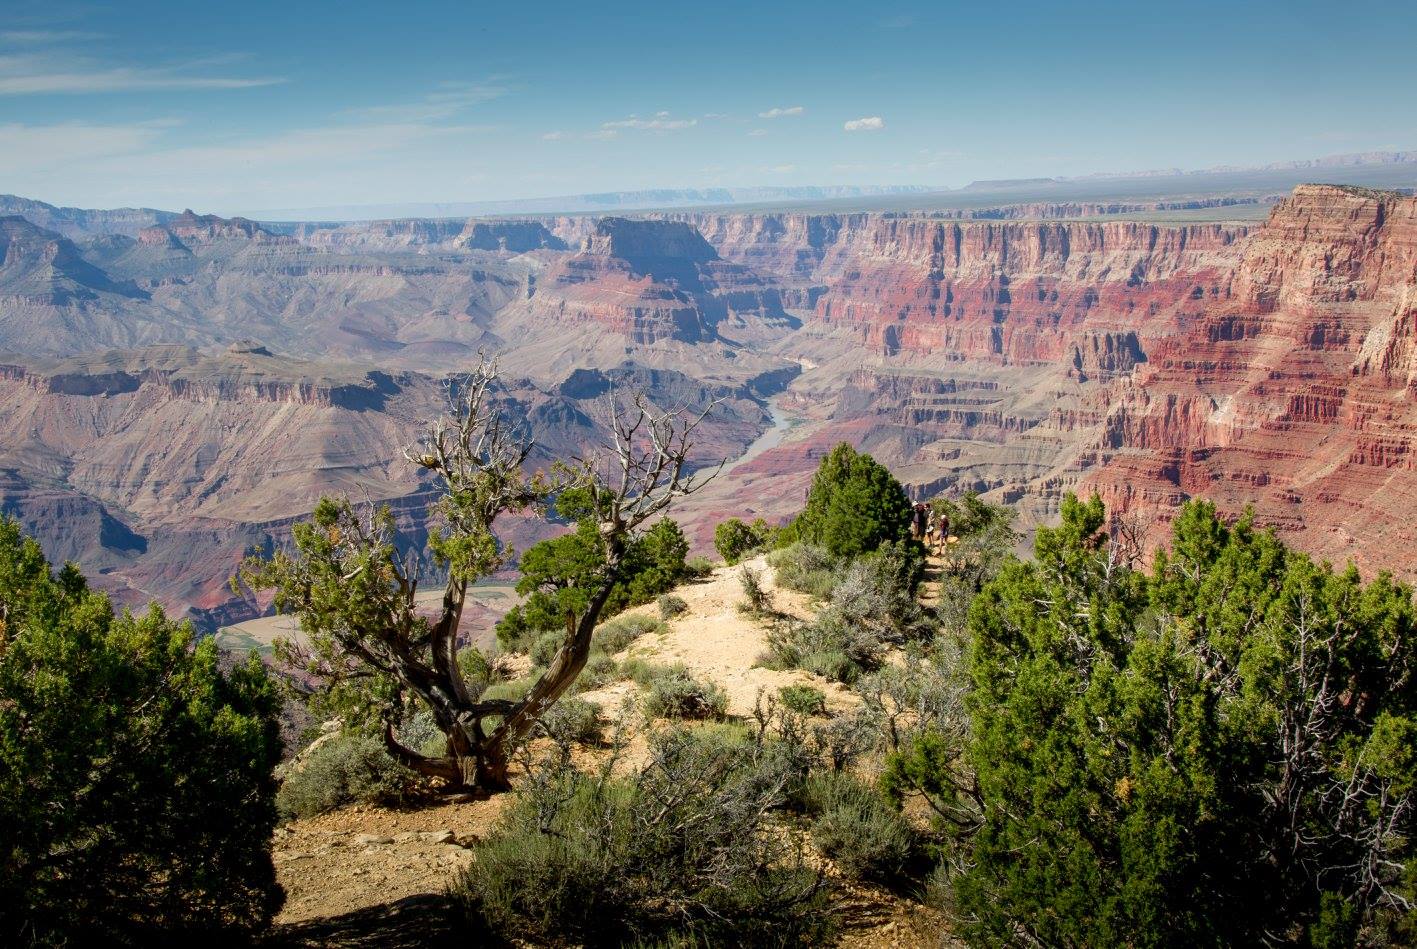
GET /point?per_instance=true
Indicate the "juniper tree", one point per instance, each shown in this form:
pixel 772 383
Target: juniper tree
pixel 1219 752
pixel 355 595
pixel 136 794
pixel 854 505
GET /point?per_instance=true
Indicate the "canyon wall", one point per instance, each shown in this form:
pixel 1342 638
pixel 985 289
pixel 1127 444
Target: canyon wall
pixel 1269 365
pixel 1297 395
pixel 1015 291
pixel 648 281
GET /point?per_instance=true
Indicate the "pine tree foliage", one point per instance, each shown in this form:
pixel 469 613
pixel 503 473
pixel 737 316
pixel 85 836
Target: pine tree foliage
pixel 1222 750
pixel 136 788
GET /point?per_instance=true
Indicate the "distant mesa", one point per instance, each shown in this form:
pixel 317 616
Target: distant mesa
pixel 79 223
pixel 248 347
pixel 651 280
pixel 190 227
pixel 645 241
pixel 516 237
pixel 1007 184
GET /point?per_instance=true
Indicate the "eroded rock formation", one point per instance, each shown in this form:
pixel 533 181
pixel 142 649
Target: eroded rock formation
pixel 1269 365
pixel 1298 395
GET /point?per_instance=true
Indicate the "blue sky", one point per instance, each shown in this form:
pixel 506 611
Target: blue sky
pixel 234 107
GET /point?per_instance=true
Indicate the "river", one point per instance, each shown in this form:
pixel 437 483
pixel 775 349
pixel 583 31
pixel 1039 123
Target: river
pixel 783 421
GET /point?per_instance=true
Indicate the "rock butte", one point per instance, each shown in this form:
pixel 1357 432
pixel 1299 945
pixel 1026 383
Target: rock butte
pixel 1269 365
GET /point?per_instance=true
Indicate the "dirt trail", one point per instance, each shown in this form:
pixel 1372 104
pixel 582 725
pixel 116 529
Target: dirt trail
pixel 369 876
pixel 718 642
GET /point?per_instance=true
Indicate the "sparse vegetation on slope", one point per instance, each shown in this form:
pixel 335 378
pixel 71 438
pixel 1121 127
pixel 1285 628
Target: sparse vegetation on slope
pixel 682 847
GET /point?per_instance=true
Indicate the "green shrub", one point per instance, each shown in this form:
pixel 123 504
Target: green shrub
pixel 805 568
pixel 136 787
pixel 830 664
pixel 516 632
pixel 757 601
pixel 478 671
pixel 683 849
pixel 1166 757
pixel 638 670
pixel 544 649
pixel 870 610
pixel 673 692
pixel 422 734
pixel 804 699
pixel 697 567
pixel 513 690
pixel 829 646
pixel 617 635
pixel 853 506
pixel 671 606
pixel 734 540
pixel 969 516
pixel 600 670
pixel 573 720
pixel 558 574
pixel 876 592
pixel 857 828
pixel 348 769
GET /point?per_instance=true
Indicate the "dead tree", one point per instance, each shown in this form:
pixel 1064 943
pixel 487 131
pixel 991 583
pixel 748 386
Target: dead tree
pixel 356 596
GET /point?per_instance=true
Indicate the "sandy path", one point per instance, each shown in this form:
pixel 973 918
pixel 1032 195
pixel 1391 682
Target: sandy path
pixel 718 642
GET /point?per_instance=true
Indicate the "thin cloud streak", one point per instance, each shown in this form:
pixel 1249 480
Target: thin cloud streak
pixel 42 37
pixel 445 102
pixel 660 123
pixel 53 73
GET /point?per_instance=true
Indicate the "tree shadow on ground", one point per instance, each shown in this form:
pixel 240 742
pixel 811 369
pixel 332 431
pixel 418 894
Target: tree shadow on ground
pixel 425 920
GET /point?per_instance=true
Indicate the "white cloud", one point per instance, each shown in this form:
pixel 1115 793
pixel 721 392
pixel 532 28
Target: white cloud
pixel 604 135
pixel 781 169
pixel 870 123
pixel 553 136
pixel 40 73
pixel 780 113
pixel 758 133
pixel 660 123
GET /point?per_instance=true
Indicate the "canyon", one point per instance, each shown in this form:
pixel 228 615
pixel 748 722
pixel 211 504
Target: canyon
pixel 177 388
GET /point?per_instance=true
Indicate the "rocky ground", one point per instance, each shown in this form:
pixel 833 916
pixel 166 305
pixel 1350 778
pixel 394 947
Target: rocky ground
pixel 372 876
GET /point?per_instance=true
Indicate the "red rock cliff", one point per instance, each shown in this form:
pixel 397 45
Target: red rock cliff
pixel 1297 395
pixel 649 280
pixel 1010 292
